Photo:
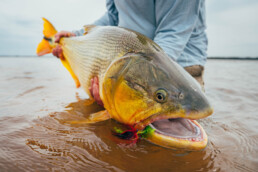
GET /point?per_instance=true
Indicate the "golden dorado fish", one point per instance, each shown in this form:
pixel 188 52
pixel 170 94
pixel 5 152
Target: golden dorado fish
pixel 139 84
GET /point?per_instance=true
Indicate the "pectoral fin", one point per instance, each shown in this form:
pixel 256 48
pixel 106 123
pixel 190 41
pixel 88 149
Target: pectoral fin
pixel 93 118
pixel 99 116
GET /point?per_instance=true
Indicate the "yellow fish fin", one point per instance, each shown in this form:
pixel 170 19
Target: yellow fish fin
pixel 68 67
pixel 93 118
pixel 47 43
pixel 49 30
pixel 89 102
pixel 99 116
pixel 43 48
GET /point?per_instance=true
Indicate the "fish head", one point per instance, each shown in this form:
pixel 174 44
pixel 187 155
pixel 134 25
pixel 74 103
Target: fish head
pixel 141 91
pixel 171 89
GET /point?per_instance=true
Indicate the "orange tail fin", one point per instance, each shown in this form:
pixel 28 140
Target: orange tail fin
pixel 47 43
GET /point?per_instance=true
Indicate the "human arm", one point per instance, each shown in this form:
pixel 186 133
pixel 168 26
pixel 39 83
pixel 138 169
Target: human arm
pixel 110 18
pixel 175 21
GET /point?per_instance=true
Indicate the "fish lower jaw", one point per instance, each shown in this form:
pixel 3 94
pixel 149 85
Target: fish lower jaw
pixel 193 141
pixel 177 131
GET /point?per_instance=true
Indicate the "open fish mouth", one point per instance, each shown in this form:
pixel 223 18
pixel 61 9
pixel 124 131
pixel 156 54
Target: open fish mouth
pixel 179 128
pixel 178 133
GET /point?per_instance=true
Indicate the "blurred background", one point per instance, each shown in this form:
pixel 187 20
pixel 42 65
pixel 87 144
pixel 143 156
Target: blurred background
pixel 232 25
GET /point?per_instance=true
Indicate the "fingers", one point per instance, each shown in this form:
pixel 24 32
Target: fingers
pixel 58 52
pixel 61 34
pixel 55 50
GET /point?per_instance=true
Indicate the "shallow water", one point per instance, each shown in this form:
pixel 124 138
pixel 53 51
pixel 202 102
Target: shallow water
pixel 38 98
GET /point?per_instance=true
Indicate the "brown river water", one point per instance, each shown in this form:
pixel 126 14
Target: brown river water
pixel 38 97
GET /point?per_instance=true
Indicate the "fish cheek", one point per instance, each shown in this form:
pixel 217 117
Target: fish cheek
pixel 128 103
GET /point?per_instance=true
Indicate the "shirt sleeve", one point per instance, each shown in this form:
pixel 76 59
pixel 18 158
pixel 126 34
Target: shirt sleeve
pixel 175 21
pixel 110 18
pixel 103 21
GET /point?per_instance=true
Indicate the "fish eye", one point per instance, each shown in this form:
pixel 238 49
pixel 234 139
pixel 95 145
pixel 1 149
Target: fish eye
pixel 181 95
pixel 161 95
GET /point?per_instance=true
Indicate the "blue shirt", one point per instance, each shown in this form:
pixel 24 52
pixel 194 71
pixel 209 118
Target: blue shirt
pixel 177 26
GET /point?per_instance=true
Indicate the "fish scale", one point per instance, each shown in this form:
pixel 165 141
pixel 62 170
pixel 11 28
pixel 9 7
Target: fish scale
pixel 91 54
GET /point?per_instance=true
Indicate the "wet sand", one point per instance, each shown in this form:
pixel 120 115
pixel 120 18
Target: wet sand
pixel 38 98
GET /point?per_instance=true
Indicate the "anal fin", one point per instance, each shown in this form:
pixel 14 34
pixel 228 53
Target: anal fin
pixel 68 67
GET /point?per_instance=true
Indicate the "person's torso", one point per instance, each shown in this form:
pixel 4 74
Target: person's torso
pixel 138 15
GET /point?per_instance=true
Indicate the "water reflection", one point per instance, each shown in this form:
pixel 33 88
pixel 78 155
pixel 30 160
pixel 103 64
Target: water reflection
pixel 93 146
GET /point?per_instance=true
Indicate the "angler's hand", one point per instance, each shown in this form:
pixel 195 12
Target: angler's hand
pixel 94 90
pixel 57 51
